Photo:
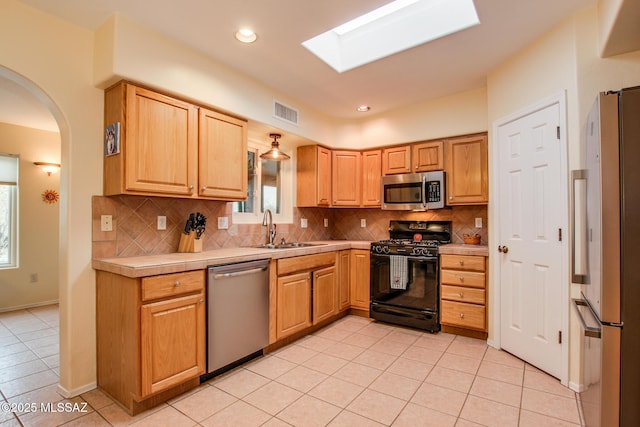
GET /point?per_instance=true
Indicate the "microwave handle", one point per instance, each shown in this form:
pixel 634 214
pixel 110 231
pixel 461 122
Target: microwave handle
pixel 424 192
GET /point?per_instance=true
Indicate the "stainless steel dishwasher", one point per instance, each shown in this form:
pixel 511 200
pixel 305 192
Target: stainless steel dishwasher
pixel 237 314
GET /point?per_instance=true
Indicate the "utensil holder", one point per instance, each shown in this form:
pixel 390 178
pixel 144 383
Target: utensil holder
pixel 471 239
pixel 189 243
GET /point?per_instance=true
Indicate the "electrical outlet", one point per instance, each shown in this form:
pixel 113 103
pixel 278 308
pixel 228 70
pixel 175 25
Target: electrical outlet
pixel 223 222
pixel 478 222
pixel 303 222
pixel 326 222
pixel 363 223
pixel 162 222
pixel 106 223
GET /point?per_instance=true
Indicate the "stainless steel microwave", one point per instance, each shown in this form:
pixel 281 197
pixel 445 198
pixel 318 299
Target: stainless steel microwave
pixel 413 191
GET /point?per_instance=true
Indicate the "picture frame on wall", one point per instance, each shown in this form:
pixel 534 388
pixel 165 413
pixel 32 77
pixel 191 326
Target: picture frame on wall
pixel 112 139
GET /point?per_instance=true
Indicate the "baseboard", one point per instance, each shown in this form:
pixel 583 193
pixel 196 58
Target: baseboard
pixel 578 388
pixel 26 306
pixel 77 391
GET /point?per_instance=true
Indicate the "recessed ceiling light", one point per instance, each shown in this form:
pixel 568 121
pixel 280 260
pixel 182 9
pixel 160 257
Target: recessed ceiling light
pixel 364 108
pixel 397 26
pixel 246 35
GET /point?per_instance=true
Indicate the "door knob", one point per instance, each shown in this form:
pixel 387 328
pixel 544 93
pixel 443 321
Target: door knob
pixel 503 249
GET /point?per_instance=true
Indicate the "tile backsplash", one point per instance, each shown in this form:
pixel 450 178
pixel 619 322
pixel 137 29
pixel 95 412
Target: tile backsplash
pixel 135 220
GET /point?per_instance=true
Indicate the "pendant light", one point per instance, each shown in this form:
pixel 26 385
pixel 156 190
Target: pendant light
pixel 275 153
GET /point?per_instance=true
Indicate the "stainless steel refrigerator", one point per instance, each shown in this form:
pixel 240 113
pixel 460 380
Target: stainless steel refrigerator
pixel 606 260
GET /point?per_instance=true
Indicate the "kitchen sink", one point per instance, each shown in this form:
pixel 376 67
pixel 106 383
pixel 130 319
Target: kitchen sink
pixel 288 245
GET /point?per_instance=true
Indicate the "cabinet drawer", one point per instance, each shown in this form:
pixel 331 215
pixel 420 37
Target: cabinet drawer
pixel 459 293
pixel 462 278
pixel 463 315
pixel 305 263
pixel 463 262
pixel 169 285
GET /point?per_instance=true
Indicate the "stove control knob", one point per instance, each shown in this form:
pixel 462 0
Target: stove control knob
pixel 386 249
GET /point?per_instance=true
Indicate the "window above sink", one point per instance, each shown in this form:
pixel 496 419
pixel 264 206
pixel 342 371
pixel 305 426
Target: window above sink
pixel 270 186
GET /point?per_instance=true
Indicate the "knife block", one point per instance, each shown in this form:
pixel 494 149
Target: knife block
pixel 189 243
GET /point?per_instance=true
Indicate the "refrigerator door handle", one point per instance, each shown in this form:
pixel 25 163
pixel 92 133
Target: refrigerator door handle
pixel 579 242
pixel 589 331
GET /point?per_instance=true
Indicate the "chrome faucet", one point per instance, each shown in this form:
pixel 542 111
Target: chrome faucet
pixel 267 221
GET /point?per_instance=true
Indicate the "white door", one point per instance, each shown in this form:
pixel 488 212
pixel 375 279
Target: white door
pixel 531 209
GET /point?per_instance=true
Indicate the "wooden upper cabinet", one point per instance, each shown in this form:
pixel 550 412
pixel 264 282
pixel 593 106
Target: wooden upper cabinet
pixel 222 156
pixel 158 143
pixel 467 170
pixel 396 160
pixel 427 156
pixel 313 176
pixel 371 178
pixel 346 178
pixel 168 149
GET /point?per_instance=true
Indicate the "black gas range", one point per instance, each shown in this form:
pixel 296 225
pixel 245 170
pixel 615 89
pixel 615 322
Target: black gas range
pixel 405 274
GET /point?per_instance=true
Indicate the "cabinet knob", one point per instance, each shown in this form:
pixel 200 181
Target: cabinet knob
pixel 176 284
pixel 191 187
pixel 461 262
pixel 462 315
pixel 461 278
pixel 461 294
pixel 204 188
pixel 201 301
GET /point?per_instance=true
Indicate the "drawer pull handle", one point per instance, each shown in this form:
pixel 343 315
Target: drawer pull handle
pixel 462 315
pixel 462 278
pixel 461 262
pixel 461 294
pixel 176 284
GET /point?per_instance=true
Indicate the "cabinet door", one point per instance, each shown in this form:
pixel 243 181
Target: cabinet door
pixel 172 342
pixel 323 179
pixel 346 178
pixel 428 156
pixel 396 160
pixel 222 156
pixel 293 308
pixel 371 177
pixel 344 299
pixel 360 273
pixel 325 294
pixel 467 170
pixel 161 144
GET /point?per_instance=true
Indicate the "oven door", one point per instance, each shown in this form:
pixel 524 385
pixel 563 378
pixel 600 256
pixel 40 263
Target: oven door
pixel 421 292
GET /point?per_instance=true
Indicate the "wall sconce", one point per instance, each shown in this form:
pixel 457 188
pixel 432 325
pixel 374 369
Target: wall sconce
pixel 48 168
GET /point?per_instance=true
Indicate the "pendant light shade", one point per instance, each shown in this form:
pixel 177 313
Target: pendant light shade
pixel 275 153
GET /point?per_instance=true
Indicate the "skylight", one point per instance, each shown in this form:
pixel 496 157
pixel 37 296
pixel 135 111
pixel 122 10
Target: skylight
pixel 397 26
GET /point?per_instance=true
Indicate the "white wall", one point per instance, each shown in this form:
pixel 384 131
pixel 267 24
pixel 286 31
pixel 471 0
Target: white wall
pixel 458 114
pixel 54 60
pixel 38 221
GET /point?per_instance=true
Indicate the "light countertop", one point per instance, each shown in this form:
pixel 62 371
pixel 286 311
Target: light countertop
pixel 151 265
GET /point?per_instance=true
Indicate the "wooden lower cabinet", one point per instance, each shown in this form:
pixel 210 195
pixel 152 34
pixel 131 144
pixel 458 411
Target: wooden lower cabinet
pixel 359 279
pixel 463 295
pixel 151 341
pixel 325 294
pixel 344 273
pixel 293 309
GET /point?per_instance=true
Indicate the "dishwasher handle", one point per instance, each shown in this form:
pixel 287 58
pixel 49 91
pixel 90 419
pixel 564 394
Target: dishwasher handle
pixel 238 273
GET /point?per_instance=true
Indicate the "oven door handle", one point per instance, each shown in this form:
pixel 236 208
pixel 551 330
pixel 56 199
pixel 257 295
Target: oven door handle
pixel 423 258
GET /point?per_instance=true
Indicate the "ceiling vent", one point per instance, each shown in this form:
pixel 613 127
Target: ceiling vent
pixel 284 112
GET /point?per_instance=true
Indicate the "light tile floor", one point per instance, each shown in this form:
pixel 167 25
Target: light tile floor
pixel 355 372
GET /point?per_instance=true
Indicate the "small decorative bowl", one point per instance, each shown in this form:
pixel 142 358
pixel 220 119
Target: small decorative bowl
pixel 471 239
